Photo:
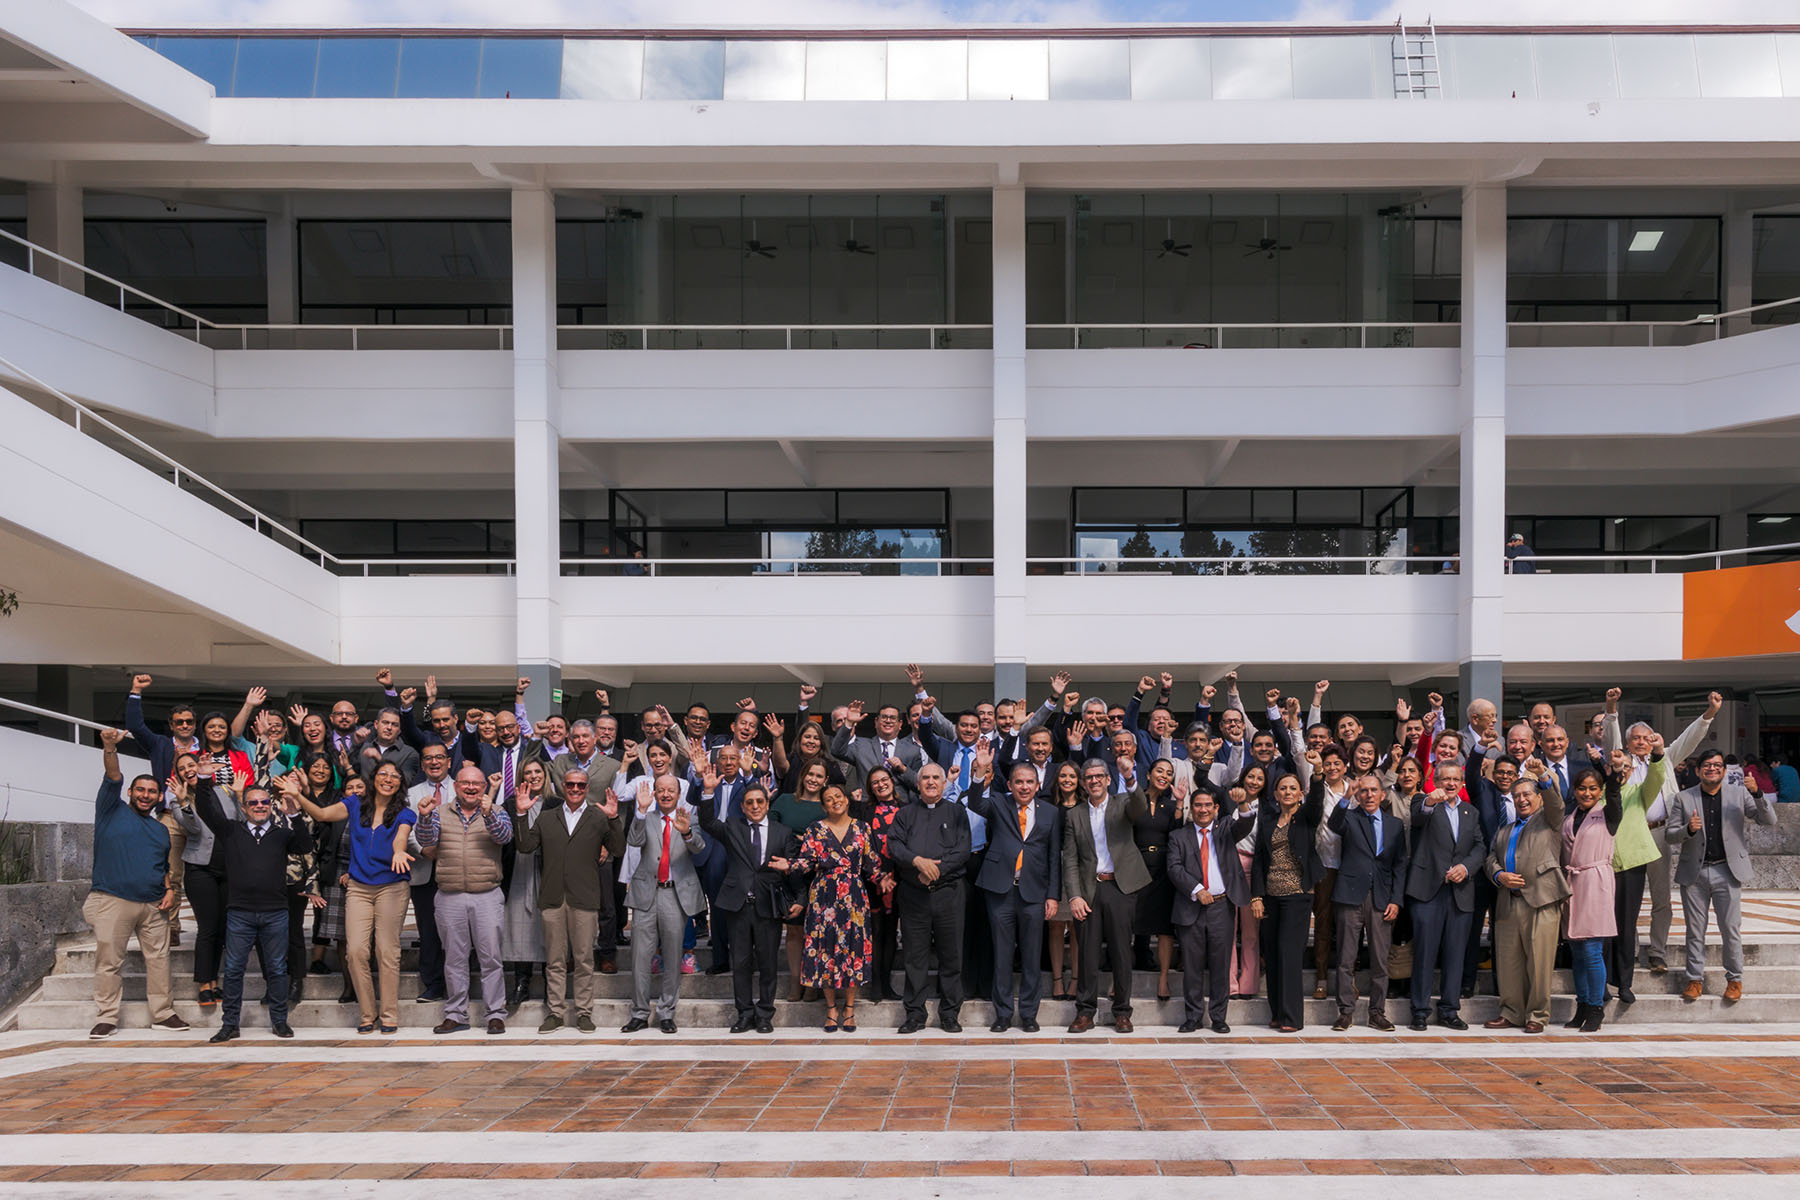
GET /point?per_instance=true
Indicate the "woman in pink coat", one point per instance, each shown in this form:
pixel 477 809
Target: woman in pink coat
pixel 1587 857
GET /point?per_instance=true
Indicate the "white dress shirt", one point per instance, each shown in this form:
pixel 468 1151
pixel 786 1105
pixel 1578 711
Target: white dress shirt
pixel 1103 862
pixel 572 815
pixel 1208 847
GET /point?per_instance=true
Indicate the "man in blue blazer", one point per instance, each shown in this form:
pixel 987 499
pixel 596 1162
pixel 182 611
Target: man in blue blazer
pixel 1020 880
pixel 1447 851
pixel 1366 897
pixel 1210 887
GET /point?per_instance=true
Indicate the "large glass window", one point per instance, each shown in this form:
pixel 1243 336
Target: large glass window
pixel 214 269
pixel 427 272
pixel 1579 536
pixel 1612 268
pixel 1243 530
pixel 474 538
pixel 779 531
pixel 1775 268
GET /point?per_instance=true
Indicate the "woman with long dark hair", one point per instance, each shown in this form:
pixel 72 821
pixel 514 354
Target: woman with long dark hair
pixel 1065 793
pixel 799 810
pixel 879 804
pixel 1156 901
pixel 808 747
pixel 1285 871
pixel 205 883
pixel 1249 797
pixel 522 930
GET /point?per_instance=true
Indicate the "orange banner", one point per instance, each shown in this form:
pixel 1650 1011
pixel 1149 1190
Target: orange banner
pixel 1741 611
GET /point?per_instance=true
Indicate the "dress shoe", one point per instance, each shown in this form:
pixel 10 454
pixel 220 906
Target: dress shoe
pixel 496 1027
pixel 634 1025
pixel 521 992
pixel 1188 1026
pixel 1121 1024
pixel 428 996
pixel 608 967
pixel 666 1025
pixel 227 1033
pixel 1419 1025
pixel 296 991
pixel 742 1025
pixel 911 1025
pixel 891 994
pixel 1452 1021
pixel 551 1024
pixel 1734 990
pixel 1381 1022
pixel 1627 996
pixel 950 1025
pixel 367 1027
pixel 1534 1027
pixel 172 1021
pixel 102 1031
pixel 1082 1023
pixel 1029 1026
pixel 765 1027
pixel 584 1023
pixel 1000 1027
pixel 318 967
pixel 1658 966
pixel 1499 1023
pixel 389 1029
pixel 1468 992
pixel 1693 991
pixel 719 968
pixel 283 1030
pixel 1220 1027
pixel 348 996
pixel 1319 990
pixel 449 1026
pixel 1342 1023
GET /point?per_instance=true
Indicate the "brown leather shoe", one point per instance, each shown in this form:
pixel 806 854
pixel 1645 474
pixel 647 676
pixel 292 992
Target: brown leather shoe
pixel 1082 1023
pixel 496 1026
pixel 1500 1023
pixel 1534 1027
pixel 1319 991
pixel 1121 1024
pixel 1380 1021
pixel 1693 991
pixel 1734 991
pixel 1341 1024
pixel 609 967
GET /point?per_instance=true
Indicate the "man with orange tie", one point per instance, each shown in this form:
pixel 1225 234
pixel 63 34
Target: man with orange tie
pixel 1210 887
pixel 1020 880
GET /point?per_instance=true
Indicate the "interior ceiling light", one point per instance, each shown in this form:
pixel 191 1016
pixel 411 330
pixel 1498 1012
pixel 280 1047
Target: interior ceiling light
pixel 1645 240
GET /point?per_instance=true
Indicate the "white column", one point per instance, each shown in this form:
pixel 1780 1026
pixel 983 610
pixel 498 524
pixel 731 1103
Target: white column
pixel 281 246
pixel 53 220
pixel 1483 427
pixel 537 421
pixel 1009 442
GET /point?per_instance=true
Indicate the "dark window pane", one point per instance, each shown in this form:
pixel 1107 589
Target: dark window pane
pixel 1127 506
pixel 438 68
pixel 674 507
pixel 1212 506
pixel 523 68
pixel 500 538
pixel 1272 506
pixel 358 67
pixel 352 539
pixel 792 508
pixel 1322 505
pixel 892 508
pixel 437 539
pixel 217 269
pixel 212 59
pixel 1569 534
pixel 1773 529
pixel 406 272
pixel 276 66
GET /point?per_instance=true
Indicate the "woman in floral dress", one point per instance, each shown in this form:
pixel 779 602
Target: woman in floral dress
pixel 840 852
pixel 876 807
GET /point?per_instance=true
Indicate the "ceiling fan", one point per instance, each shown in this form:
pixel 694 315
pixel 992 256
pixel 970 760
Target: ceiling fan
pixel 1171 246
pixel 1265 245
pixel 754 246
pixel 851 246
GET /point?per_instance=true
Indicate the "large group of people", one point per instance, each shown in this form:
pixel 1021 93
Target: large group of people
pixel 1224 844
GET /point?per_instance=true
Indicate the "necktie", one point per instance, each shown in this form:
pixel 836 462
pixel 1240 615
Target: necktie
pixel 506 773
pixel 437 793
pixel 1562 779
pixel 1019 863
pixel 887 751
pixel 258 831
pixel 962 770
pixel 756 843
pixel 1205 853
pixel 662 866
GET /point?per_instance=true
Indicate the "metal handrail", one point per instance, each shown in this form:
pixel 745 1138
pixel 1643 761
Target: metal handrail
pixel 1219 328
pixel 77 724
pixel 1716 320
pixel 357 332
pixel 1367 561
pixel 651 565
pixel 787 331
pixel 33 251
pixel 1717 556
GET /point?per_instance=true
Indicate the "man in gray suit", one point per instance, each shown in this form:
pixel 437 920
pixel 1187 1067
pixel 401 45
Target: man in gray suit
pixel 1706 827
pixel 900 755
pixel 665 891
pixel 1102 874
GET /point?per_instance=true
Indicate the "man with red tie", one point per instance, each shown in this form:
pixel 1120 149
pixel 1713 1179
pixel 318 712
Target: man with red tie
pixel 1210 887
pixel 665 891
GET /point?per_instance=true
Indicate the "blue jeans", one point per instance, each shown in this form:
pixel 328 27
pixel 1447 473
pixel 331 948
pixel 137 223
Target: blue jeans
pixel 1589 961
pixel 268 932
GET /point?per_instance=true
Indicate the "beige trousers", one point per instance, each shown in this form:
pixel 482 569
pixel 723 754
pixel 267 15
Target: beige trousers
pixel 178 840
pixel 569 935
pixel 115 921
pixel 383 910
pixel 1524 958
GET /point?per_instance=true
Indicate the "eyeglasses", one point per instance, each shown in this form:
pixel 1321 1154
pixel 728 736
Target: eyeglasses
pixel 575 787
pixel 181 720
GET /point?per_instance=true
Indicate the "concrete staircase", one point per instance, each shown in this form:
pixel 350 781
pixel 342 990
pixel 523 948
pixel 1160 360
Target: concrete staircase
pixel 65 998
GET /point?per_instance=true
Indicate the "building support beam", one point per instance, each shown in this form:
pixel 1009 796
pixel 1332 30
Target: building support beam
pixel 1009 441
pixel 281 243
pixel 1482 425
pixel 537 437
pixel 53 220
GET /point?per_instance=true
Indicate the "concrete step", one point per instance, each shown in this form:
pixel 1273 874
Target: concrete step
pixel 1247 1015
pixel 1762 980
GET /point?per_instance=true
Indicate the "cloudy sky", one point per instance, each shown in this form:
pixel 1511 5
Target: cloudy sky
pixel 604 13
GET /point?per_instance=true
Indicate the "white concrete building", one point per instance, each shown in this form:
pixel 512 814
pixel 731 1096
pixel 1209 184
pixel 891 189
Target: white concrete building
pixel 392 347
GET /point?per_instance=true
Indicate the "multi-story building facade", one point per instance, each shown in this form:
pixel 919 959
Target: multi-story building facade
pixel 709 360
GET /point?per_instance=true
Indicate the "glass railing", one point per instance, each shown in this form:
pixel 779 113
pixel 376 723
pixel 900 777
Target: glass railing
pixel 1287 335
pixel 772 567
pixel 1147 63
pixel 775 337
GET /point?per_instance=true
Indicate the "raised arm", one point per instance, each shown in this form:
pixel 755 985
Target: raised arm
pixel 253 700
pixel 151 741
pixel 1694 734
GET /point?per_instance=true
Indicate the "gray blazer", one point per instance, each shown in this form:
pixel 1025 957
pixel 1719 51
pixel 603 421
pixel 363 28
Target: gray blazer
pixel 600 776
pixel 1080 860
pixel 1735 804
pixel 647 833
pixel 864 755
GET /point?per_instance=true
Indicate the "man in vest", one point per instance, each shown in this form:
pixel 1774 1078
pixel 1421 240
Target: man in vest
pixel 463 840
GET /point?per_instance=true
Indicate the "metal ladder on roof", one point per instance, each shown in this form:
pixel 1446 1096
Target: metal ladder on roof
pixel 1416 62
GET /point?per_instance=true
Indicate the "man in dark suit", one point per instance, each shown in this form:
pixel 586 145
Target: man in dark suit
pixel 723 783
pixel 900 755
pixel 1209 889
pixel 1021 881
pixel 1102 874
pixel 1447 851
pixel 929 848
pixel 1564 761
pixel 386 746
pixel 752 899
pixel 1366 896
